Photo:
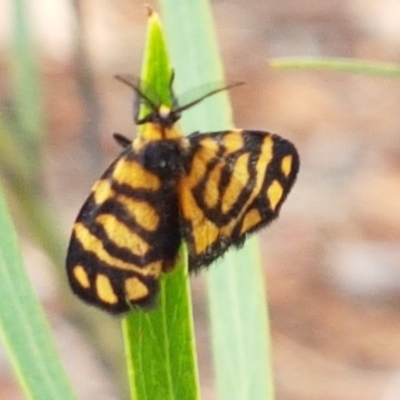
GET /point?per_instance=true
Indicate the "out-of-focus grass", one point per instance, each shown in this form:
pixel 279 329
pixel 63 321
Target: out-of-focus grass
pixel 23 327
pixel 21 132
pixel 337 64
pixel 238 308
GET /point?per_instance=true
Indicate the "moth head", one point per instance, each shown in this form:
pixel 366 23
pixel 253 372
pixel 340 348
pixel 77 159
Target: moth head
pixel 161 113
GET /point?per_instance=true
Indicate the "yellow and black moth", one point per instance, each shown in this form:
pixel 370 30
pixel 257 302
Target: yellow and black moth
pixel 211 190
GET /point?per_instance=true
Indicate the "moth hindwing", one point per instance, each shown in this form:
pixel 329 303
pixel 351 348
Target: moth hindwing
pixel 211 190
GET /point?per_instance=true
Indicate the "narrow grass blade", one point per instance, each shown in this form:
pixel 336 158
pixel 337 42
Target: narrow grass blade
pixel 240 331
pixel 337 64
pixel 25 79
pixel 23 327
pixel 160 343
pixel 21 130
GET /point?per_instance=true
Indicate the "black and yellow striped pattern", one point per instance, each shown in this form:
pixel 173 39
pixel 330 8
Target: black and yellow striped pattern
pixel 236 183
pixel 210 190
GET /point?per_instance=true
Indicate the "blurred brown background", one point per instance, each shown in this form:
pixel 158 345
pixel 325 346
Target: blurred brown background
pixel 332 260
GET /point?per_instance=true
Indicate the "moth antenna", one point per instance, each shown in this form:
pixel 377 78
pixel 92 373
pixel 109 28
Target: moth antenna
pixel 129 81
pixel 215 91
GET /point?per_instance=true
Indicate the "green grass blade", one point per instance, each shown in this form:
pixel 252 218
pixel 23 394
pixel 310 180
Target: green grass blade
pixel 25 78
pixel 239 317
pixel 337 64
pixel 23 328
pixel 160 343
pixel 21 131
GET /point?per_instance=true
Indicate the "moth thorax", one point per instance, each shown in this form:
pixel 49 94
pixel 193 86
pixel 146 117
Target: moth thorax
pixel 163 157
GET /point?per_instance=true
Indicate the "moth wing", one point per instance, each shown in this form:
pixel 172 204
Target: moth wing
pixel 234 184
pixel 111 262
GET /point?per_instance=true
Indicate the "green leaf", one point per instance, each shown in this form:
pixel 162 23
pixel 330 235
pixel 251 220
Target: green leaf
pixel 156 70
pixel 23 327
pixel 160 345
pixel 238 311
pixel 337 64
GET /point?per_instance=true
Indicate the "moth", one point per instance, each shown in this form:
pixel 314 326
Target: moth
pixel 210 190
